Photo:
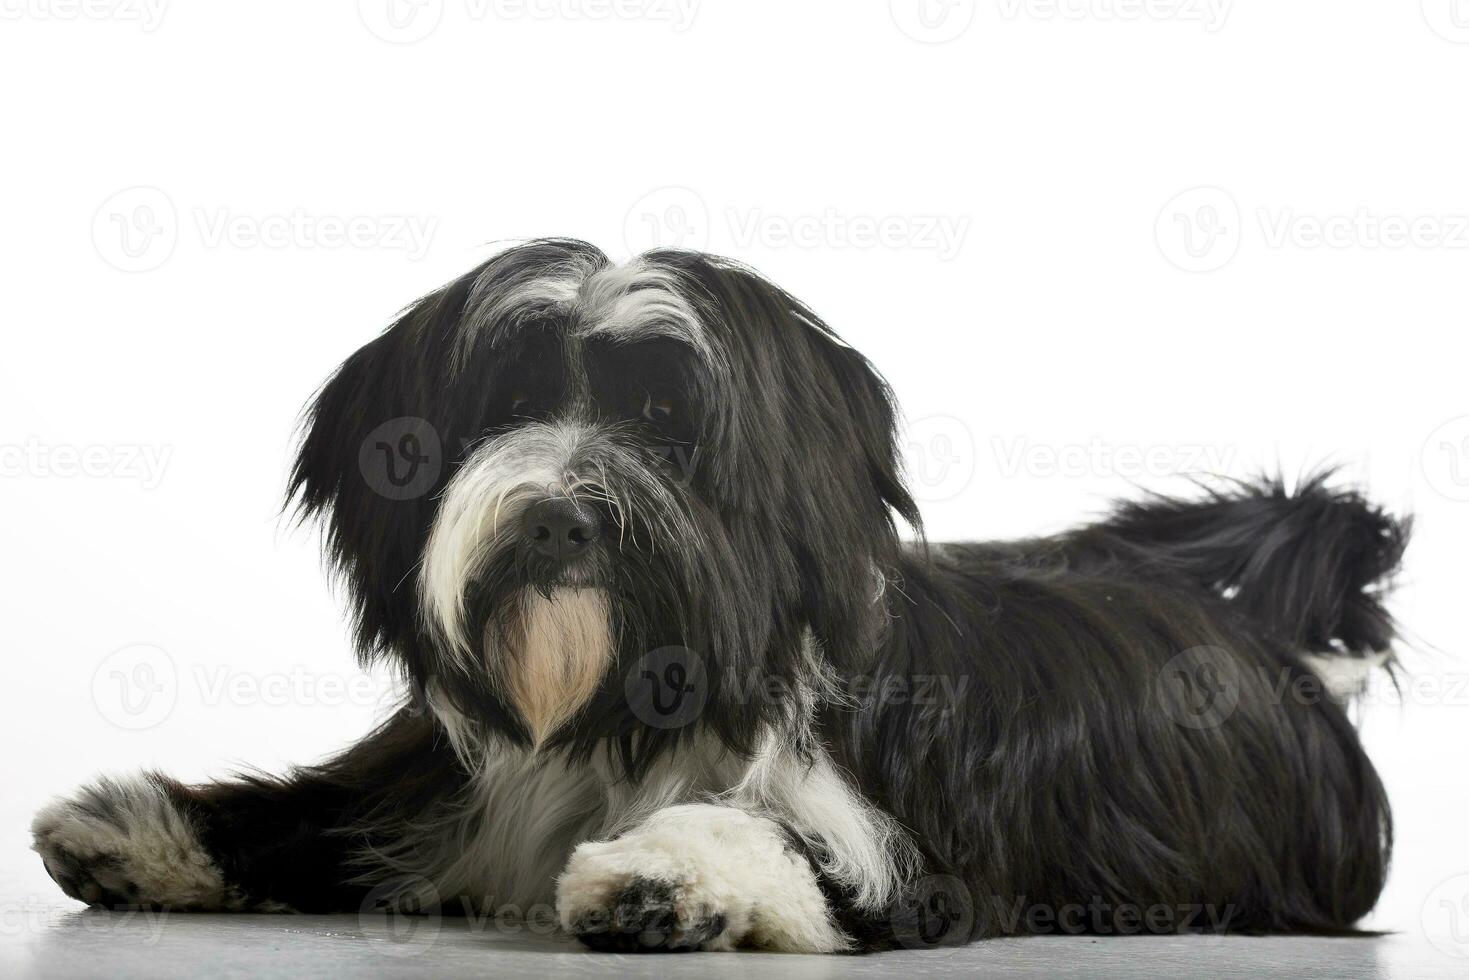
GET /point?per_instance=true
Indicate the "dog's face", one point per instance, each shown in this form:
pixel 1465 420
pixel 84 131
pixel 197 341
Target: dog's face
pixel 671 453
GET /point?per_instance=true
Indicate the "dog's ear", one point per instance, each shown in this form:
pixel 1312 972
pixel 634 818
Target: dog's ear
pixel 375 447
pixel 809 451
pixel 802 407
pixel 871 414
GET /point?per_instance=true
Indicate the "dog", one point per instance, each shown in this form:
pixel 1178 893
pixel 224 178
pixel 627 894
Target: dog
pixel 633 535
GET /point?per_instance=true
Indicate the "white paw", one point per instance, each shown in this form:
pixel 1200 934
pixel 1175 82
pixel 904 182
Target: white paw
pixel 126 843
pixel 696 877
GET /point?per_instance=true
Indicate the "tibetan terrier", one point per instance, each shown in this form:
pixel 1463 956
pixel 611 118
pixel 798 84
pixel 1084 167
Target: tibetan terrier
pixel 631 534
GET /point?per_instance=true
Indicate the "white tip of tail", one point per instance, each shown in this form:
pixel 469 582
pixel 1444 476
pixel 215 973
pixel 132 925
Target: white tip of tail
pixel 1344 675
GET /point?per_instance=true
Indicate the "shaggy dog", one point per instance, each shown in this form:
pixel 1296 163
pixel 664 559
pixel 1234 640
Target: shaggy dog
pixel 630 532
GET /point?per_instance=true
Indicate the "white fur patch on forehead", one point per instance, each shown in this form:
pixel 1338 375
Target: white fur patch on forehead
pixel 631 301
pixel 480 511
pixel 509 294
pixel 516 288
pixel 638 300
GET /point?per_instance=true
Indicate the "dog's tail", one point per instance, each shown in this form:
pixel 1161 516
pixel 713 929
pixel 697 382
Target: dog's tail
pixel 1312 566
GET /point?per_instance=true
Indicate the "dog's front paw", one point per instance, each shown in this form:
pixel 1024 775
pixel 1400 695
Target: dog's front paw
pixel 648 915
pixel 124 843
pixel 695 877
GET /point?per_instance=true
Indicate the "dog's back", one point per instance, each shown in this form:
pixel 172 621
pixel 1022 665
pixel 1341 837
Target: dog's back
pixel 1137 722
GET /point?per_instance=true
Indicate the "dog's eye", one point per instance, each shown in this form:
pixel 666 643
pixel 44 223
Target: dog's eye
pixel 520 401
pixel 657 409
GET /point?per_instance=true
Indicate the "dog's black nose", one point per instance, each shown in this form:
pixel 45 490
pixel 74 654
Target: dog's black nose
pixel 560 528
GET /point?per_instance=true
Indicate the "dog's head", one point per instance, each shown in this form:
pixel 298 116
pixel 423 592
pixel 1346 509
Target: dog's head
pixel 554 465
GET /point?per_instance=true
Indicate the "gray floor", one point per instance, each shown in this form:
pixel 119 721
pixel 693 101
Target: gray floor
pixel 59 941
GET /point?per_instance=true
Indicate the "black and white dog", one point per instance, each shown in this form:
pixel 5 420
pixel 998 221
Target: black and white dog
pixel 630 532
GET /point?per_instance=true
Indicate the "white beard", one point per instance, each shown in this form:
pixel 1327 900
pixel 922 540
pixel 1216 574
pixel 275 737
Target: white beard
pixel 557 659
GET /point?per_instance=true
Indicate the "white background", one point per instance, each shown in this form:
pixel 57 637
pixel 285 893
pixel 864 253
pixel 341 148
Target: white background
pixel 1092 245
